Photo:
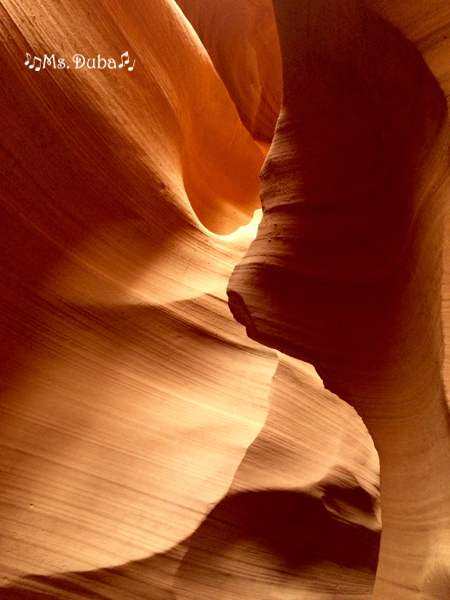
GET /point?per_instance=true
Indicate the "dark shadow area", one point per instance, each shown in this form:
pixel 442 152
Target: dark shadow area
pixel 292 531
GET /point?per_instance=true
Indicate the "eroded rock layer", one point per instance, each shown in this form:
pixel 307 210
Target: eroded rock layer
pixel 111 418
pixel 242 42
pixel 345 271
pixel 149 449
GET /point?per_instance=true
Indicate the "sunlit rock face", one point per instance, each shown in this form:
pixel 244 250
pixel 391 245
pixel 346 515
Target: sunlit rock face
pixel 150 449
pixel 242 42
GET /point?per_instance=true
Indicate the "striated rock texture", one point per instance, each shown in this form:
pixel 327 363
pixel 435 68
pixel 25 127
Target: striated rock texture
pixel 273 542
pixel 149 449
pixel 242 42
pixel 346 269
pixel 123 410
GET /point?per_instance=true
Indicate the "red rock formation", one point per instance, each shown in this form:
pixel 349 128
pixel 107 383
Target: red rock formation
pixel 345 271
pixel 242 42
pixel 136 417
pixel 118 430
pixel 255 542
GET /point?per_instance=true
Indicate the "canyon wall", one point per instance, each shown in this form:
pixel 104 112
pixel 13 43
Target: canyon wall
pixel 150 448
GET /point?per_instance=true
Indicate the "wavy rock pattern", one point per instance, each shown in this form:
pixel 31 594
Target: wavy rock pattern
pixel 116 418
pixel 242 42
pixel 346 269
pixel 149 448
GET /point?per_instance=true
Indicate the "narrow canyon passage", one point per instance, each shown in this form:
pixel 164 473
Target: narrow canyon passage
pixel 150 449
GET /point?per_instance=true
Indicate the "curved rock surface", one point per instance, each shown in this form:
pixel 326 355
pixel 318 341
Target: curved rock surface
pixel 346 269
pixel 242 42
pixel 149 448
pixel 123 416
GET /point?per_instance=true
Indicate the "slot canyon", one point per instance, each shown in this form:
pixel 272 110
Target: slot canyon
pixel 225 300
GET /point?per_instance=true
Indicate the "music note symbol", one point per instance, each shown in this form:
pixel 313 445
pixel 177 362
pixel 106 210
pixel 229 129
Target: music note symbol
pixel 28 59
pixel 124 62
pixel 132 67
pixel 33 66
